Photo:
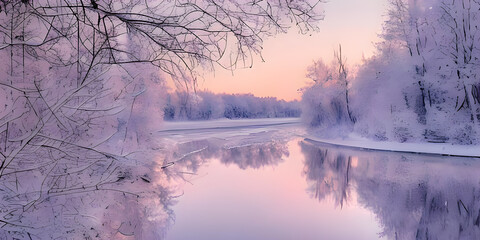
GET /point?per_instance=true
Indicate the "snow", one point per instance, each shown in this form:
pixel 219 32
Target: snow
pixel 420 86
pixel 204 105
pixel 445 149
pixel 226 128
pixel 258 128
pixel 135 197
pixel 225 123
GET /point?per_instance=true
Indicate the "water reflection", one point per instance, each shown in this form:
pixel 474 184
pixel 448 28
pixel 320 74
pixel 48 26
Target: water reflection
pixel 133 200
pixel 412 196
pixel 328 172
pixel 191 155
pixel 183 161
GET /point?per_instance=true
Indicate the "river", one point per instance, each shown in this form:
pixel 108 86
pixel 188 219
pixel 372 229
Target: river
pixel 288 187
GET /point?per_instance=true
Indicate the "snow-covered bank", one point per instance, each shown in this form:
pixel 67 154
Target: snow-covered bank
pixel 442 149
pixel 226 129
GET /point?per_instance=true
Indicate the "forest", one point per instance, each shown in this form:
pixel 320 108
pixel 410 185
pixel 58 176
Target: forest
pixel 204 105
pixel 422 85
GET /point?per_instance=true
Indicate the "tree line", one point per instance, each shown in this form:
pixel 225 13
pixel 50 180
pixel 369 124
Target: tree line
pixel 421 85
pixel 204 105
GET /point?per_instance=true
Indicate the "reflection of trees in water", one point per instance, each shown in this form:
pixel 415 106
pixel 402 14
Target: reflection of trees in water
pixel 255 155
pixel 328 174
pixel 412 196
pixel 121 199
pixel 191 155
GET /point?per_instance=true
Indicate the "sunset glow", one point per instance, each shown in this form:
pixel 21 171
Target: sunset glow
pixel 353 24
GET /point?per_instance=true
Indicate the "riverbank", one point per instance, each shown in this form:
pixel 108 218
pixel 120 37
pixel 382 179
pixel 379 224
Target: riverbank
pixel 441 149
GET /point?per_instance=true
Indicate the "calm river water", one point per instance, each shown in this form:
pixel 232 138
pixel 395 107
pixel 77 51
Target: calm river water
pixel 298 189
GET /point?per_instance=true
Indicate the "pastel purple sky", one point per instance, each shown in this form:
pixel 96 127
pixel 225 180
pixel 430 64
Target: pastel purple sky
pixel 353 23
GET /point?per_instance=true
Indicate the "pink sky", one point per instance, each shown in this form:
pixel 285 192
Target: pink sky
pixel 353 23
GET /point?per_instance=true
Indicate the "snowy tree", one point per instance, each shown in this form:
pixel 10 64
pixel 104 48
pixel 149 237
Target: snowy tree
pixel 211 106
pixel 327 102
pixel 421 85
pixel 77 78
pixel 440 37
pixel 319 72
pixel 459 44
pixel 343 79
pixel 204 105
